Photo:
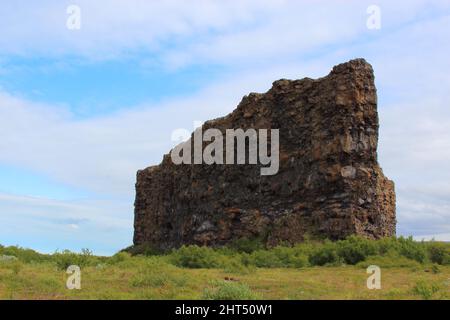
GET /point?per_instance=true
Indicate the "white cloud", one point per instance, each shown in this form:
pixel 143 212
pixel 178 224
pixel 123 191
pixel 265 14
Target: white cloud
pixel 102 154
pixel 48 225
pixel 114 27
pixel 181 32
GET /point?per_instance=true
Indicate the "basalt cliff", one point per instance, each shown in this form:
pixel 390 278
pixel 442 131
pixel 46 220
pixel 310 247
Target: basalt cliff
pixel 329 183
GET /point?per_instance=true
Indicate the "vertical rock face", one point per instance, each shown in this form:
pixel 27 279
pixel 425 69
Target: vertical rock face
pixel 329 183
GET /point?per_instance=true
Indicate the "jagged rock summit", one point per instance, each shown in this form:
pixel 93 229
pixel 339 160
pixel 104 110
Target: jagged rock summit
pixel 329 183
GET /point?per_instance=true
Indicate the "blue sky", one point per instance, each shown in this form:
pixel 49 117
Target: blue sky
pixel 82 110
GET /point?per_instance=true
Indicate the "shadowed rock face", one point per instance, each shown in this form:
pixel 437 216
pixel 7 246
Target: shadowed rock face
pixel 329 183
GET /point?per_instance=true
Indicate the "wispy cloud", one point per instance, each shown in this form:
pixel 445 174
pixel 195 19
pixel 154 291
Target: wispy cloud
pixel 48 225
pixel 178 32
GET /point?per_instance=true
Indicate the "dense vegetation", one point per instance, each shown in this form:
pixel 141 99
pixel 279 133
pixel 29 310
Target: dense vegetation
pixel 148 273
pixel 388 252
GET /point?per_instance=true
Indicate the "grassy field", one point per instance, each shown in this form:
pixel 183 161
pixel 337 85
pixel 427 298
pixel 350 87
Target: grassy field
pixel 313 270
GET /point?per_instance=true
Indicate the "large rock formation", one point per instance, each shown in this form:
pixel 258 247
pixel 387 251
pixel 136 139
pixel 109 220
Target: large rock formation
pixel 329 183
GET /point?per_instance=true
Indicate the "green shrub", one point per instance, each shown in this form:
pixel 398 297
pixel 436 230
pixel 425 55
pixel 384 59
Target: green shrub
pixel 412 249
pixel 158 278
pixel 278 257
pixel 245 245
pixel 355 249
pixel 264 259
pixel 156 272
pixel 407 247
pixel 386 245
pixel 24 255
pixel 391 259
pixel 196 257
pixel 150 279
pixel 300 261
pixel 224 290
pixel 439 253
pixel 66 258
pixel 425 290
pixel 291 257
pixel 325 254
pixel 238 268
pixel 14 265
pixel 435 268
pixel 119 257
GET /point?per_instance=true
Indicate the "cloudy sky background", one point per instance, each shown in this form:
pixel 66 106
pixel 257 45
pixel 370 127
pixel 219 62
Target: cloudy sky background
pixel 82 110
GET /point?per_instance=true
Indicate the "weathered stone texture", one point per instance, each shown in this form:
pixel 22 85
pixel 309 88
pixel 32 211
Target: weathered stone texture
pixel 329 182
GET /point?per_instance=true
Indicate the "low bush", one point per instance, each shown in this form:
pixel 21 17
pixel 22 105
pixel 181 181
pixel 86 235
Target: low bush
pixel 391 259
pixel 411 249
pixel 245 254
pixel 155 272
pixel 245 245
pixel 325 254
pixel 238 267
pixel 425 290
pixel 155 279
pixel 66 258
pixel 14 265
pixel 438 253
pixel 119 257
pixel 293 257
pixel 278 257
pixel 355 249
pixel 24 255
pixel 263 259
pixel 196 257
pixel 226 290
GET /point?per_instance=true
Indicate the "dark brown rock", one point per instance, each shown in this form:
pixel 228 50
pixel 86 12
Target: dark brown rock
pixel 329 182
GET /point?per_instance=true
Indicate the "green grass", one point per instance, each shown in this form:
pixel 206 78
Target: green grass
pixel 227 290
pixel 246 270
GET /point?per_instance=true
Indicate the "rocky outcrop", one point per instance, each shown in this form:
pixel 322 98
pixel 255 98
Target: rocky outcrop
pixel 329 183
